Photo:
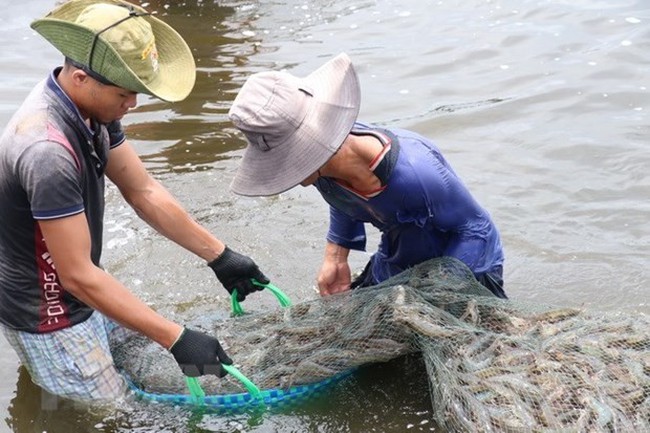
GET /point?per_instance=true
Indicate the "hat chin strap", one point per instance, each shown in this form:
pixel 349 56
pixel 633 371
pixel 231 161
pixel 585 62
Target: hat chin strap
pixel 90 72
pixel 132 14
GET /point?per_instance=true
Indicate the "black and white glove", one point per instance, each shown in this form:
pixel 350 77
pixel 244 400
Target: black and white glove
pixel 235 271
pixel 197 354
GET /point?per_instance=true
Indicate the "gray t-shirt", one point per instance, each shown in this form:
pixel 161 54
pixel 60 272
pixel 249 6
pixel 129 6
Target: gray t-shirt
pixel 51 166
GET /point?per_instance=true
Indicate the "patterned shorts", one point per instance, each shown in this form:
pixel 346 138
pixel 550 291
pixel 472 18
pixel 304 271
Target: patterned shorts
pixel 75 362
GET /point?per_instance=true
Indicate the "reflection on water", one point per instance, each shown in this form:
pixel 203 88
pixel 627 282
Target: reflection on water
pixel 542 108
pixel 223 37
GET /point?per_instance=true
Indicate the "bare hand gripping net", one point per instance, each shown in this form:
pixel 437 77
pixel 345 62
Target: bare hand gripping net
pixel 494 365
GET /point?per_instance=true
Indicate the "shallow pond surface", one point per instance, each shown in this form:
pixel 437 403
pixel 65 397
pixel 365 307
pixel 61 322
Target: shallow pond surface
pixel 541 106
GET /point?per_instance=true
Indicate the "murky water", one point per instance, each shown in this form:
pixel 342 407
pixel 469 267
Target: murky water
pixel 541 106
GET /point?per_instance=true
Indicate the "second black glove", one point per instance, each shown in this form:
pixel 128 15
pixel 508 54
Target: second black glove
pixel 235 271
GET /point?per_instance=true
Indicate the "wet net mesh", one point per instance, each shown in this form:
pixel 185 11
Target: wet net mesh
pixel 493 365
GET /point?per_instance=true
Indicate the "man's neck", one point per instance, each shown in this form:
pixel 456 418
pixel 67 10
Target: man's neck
pixel 65 81
pixel 351 164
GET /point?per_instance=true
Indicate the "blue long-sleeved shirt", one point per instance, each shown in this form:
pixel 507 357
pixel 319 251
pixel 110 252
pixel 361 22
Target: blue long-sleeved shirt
pixel 423 211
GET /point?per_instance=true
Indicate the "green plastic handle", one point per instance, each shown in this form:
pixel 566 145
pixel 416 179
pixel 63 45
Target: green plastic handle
pixel 252 389
pixel 196 391
pixel 237 309
pixel 198 394
pixel 282 298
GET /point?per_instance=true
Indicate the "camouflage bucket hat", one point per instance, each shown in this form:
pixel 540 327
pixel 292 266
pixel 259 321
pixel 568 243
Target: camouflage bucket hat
pixel 124 44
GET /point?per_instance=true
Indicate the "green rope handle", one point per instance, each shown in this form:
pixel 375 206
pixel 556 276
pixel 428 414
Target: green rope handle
pixel 237 309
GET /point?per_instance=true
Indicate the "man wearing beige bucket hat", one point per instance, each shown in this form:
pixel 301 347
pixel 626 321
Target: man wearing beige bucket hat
pixel 305 131
pixel 57 305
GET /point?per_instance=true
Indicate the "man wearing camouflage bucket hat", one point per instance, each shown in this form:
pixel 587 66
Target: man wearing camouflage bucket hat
pixel 57 305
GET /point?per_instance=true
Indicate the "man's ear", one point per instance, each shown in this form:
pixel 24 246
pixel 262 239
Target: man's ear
pixel 79 77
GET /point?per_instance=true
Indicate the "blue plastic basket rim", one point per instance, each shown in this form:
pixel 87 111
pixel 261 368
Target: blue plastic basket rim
pixel 238 401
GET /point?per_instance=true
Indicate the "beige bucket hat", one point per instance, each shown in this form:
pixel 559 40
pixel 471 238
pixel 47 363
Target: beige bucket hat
pixel 122 43
pixel 293 125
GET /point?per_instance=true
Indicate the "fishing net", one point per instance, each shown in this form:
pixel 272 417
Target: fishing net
pixel 494 365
